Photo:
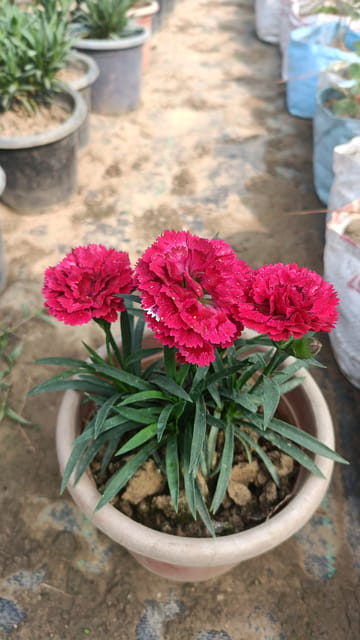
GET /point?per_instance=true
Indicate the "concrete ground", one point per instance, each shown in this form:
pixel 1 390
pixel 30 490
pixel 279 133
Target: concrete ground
pixel 212 149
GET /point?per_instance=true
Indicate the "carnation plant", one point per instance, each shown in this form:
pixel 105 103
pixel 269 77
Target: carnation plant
pixel 205 387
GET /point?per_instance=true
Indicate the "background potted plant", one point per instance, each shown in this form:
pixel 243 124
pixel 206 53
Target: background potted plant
pixel 105 33
pixel 207 398
pixel 336 120
pixel 39 117
pixel 143 12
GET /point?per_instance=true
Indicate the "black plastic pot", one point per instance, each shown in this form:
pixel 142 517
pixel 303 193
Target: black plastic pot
pixel 118 87
pixel 166 7
pixel 41 169
pixel 89 71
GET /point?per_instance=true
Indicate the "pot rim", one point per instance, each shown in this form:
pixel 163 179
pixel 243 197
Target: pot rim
pixel 113 44
pixel 91 73
pixel 2 180
pixel 64 129
pixel 150 9
pixel 201 552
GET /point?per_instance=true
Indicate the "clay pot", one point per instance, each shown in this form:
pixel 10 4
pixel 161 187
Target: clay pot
pixel 196 559
pixel 144 15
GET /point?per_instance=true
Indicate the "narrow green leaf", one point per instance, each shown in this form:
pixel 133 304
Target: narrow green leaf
pixel 271 399
pixel 103 413
pixel 142 396
pixel 125 334
pixel 66 362
pixel 95 357
pixel 215 422
pixel 172 468
pixel 92 386
pixel 163 420
pixel 137 356
pixel 290 449
pixel 199 432
pixel 170 362
pixel 170 386
pixel 214 392
pixel 146 415
pixel 305 440
pixel 291 384
pixel 76 454
pixel 203 510
pixel 138 439
pixel 10 413
pixel 121 376
pixel 225 468
pixel 189 479
pixel 123 475
pixel 247 440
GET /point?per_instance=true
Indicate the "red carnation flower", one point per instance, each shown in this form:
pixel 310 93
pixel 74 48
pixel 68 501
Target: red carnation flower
pixel 190 289
pixel 286 300
pixel 85 284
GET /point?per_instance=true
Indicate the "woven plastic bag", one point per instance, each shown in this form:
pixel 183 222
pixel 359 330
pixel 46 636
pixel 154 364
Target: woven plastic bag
pixel 329 132
pixel 267 20
pixel 294 15
pixel 311 49
pixel 342 269
pixel 346 168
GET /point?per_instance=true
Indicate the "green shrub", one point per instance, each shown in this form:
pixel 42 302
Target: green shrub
pixel 35 46
pixel 103 19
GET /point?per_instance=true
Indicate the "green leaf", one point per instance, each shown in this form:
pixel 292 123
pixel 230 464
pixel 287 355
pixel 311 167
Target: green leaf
pixel 199 377
pixel 143 396
pixel 125 334
pixel 66 362
pixel 290 449
pixel 214 392
pixel 146 415
pixel 189 479
pixel 170 362
pixel 203 510
pixel 305 440
pixel 10 413
pixel 103 413
pixel 138 439
pixel 225 468
pixel 123 475
pixel 271 399
pixel 163 420
pixel 247 440
pixel 137 356
pixel 121 376
pixel 224 373
pixel 76 453
pixel 168 385
pixel 91 385
pixel 199 432
pixel 172 468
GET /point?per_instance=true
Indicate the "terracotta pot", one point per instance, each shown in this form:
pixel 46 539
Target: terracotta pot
pixel 196 559
pixel 144 15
